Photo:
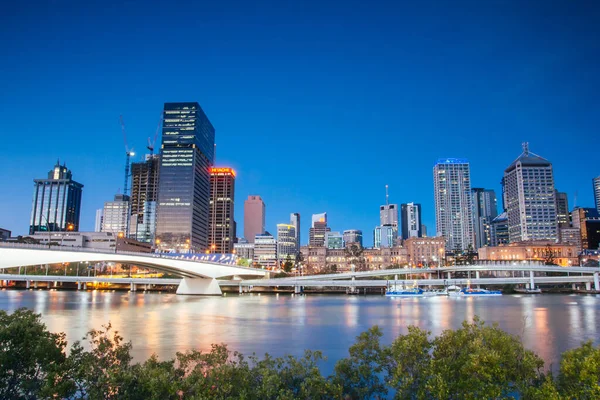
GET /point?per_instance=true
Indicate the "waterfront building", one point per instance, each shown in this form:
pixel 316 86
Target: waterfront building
pixel 570 235
pixel 56 202
pixel 385 236
pixel 334 240
pixel 187 154
pixel 353 236
pixel 411 220
pixel 485 209
pixel 254 217
pixel 529 198
pixel 265 251
pixel 318 257
pixel 587 220
pixel 499 230
pixel 453 202
pixel 286 242
pixel 116 216
pixel 98 220
pixel 107 241
pixel 316 234
pixel 295 220
pixel 424 252
pixel 562 209
pixel 244 249
pixel 144 195
pixel 532 250
pixel 596 186
pixel 221 234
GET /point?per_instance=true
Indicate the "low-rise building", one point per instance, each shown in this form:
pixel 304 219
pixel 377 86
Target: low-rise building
pixel 423 252
pixel 539 250
pixel 320 257
pixel 265 251
pixel 244 249
pixel 92 240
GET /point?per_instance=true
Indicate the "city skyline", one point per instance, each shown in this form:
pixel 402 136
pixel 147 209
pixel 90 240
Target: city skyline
pixel 486 102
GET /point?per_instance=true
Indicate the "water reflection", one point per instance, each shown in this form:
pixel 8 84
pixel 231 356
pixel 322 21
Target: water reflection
pixel 284 324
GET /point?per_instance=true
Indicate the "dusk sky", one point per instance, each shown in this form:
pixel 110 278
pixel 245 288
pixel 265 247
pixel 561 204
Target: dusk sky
pixel 316 105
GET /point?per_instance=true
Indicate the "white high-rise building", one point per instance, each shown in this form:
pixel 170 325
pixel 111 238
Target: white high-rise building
pixel 411 220
pixel 99 218
pixel 530 198
pixel 116 216
pixel 286 242
pixel 385 236
pixel 388 213
pixel 295 220
pixel 453 202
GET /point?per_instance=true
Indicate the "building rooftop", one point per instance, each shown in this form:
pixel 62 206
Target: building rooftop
pixel 528 159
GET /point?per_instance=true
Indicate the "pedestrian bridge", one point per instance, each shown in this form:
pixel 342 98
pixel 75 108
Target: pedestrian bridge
pixel 199 277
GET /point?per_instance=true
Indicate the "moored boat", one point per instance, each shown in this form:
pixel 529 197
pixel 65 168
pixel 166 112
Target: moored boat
pixel 479 292
pixel 414 292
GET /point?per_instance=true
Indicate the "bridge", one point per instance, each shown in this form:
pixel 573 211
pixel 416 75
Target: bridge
pixel 198 277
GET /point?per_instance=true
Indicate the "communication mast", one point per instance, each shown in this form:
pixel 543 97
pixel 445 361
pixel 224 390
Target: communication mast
pixel 128 154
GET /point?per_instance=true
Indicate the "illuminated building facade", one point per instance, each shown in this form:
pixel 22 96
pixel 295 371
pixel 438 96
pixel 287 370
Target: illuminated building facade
pixel 411 220
pixel 222 229
pixel 353 236
pixel 535 250
pixel 265 251
pixel 485 209
pixel 295 220
pixel 334 240
pixel 423 252
pixel 144 194
pixel 187 154
pixel 316 234
pixel 115 216
pixel 286 242
pixel 56 202
pixel 562 209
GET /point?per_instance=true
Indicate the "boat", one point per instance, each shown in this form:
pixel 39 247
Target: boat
pixel 480 292
pixel 414 292
pixel 529 291
pixel 453 291
pixel 435 292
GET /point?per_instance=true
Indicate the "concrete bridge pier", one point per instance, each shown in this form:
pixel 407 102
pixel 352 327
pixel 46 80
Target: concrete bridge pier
pixel 84 285
pixel 573 286
pixel 240 289
pixel 531 282
pixel 477 277
pixel 588 286
pixel 35 285
pixel 28 284
pixel 199 286
pixel 449 276
pixel 79 285
pixel 132 287
pixel 596 281
pixel 297 289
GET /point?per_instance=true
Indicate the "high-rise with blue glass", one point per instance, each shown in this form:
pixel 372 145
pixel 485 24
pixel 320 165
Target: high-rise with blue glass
pixel 56 202
pixel 187 154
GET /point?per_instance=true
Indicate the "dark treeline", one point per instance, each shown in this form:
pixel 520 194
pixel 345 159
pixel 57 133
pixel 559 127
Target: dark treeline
pixel 477 361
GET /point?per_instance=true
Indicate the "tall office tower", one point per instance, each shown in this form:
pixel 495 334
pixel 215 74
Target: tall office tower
pixel 99 218
pixel 385 236
pixel 334 240
pixel 221 234
pixel 530 198
pixel 499 230
pixel 411 220
pixel 254 217
pixel 587 220
pixel 453 202
pixel 388 213
pixel 265 250
pixel 316 234
pixel 56 202
pixel 353 236
pixel 286 242
pixel 115 217
pixel 485 209
pixel 187 152
pixel 144 191
pixel 562 209
pixel 295 220
pixel 596 183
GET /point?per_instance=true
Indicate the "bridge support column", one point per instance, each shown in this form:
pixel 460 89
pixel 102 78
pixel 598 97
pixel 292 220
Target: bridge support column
pixel 596 281
pixel 28 284
pixel 477 277
pixel 588 286
pixel 199 286
pixel 240 289
pixel 573 286
pixel 78 285
pixel 132 287
pixel 531 282
pixel 396 277
pixel 84 285
pixel 35 285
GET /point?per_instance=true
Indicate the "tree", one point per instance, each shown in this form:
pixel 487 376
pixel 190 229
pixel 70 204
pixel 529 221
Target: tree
pixel 288 264
pixel 549 258
pixel 579 375
pixel 354 256
pixel 458 259
pixel 469 256
pixel 31 358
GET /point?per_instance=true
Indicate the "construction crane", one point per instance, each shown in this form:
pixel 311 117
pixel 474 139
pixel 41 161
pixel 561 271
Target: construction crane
pixel 128 154
pixel 150 163
pixel 152 143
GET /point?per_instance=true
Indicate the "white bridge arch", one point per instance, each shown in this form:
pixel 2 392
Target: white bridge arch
pixel 198 277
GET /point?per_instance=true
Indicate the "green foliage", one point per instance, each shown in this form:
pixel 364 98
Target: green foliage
pixel 476 361
pixel 288 264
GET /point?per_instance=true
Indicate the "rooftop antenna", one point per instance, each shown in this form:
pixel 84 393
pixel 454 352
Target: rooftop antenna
pixel 387 196
pixel 525 148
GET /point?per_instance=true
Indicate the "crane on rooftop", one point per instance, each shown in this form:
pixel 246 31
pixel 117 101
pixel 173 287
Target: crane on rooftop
pixel 128 154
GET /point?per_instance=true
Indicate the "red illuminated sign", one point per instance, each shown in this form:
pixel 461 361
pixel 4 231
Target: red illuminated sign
pixel 228 171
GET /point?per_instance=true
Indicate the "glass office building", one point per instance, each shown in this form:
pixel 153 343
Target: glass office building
pixel 56 202
pixel 187 154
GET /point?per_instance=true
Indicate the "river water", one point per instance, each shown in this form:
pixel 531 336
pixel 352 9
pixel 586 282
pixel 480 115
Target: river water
pixel 286 324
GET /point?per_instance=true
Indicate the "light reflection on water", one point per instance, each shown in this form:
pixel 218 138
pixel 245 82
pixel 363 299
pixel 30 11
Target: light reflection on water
pixel 287 324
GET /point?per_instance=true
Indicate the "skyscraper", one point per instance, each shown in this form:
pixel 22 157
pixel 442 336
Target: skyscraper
pixel 388 213
pixel 144 194
pixel 499 230
pixel 530 198
pixel 187 153
pixel 254 217
pixel 316 234
pixel 385 236
pixel 265 250
pixel 485 209
pixel 453 202
pixel 56 202
pixel 562 209
pixel 286 242
pixel 295 220
pixel 221 234
pixel 353 236
pixel 596 184
pixel 99 218
pixel 115 217
pixel 411 220
pixel 334 240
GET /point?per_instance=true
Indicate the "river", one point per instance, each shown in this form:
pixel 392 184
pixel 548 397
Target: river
pixel 286 324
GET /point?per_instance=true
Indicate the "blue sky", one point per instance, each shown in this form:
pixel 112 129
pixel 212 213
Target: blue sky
pixel 317 105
